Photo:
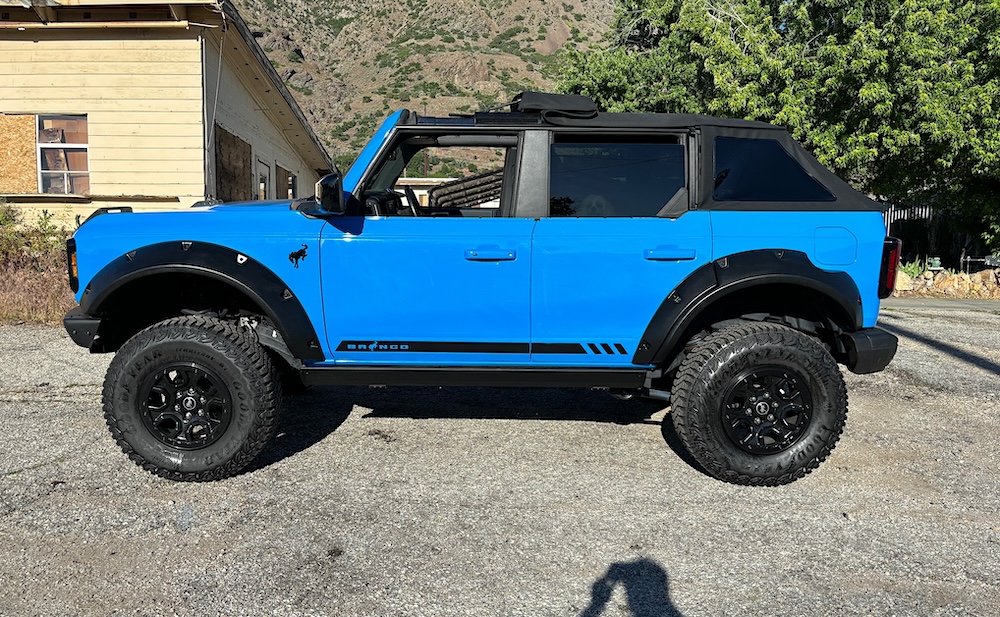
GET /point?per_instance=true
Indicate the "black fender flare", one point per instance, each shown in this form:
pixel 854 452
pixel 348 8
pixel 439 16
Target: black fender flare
pixel 722 277
pixel 219 263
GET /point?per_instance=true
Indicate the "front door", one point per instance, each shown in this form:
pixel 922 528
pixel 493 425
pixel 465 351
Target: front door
pixel 427 290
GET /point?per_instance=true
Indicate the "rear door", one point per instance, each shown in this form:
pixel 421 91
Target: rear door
pixel 617 240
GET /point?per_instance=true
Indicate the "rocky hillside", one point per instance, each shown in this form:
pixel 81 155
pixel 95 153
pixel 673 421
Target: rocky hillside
pixel 350 63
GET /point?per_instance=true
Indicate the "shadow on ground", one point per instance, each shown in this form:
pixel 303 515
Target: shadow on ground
pixel 308 418
pixel 646 587
pixel 959 354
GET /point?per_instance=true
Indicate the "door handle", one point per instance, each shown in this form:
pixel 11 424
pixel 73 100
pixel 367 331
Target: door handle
pixel 490 253
pixel 669 253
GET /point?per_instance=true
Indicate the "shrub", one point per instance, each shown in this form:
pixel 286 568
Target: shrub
pixel 33 285
pixel 914 268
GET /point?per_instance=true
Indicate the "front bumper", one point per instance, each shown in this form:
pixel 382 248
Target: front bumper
pixel 82 328
pixel 869 350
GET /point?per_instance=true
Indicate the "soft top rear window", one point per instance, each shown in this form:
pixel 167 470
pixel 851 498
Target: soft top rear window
pixel 761 170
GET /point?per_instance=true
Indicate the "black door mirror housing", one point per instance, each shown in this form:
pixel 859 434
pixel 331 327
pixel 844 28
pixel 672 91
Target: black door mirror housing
pixel 330 193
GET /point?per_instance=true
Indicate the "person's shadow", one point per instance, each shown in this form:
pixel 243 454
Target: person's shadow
pixel 646 586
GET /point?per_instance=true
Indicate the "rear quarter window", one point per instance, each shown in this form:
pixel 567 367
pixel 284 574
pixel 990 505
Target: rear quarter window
pixel 761 170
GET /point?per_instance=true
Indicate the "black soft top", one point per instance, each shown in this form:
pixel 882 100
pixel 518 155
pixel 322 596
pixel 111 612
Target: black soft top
pixel 579 110
pixel 660 121
pixel 574 110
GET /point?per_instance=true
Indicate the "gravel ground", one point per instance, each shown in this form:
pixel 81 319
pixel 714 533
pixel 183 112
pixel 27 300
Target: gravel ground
pixel 422 501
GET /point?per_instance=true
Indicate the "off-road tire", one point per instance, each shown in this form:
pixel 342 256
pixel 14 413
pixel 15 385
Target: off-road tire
pixel 214 357
pixel 709 391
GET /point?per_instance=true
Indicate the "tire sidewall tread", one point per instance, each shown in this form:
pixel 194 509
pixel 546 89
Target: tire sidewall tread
pixel 229 350
pixel 708 370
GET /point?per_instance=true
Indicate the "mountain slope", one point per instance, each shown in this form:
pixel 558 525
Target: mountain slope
pixel 350 63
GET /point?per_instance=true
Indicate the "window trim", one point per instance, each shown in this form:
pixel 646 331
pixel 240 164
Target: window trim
pixel 39 147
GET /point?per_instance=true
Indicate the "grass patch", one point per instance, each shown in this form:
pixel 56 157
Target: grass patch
pixel 33 281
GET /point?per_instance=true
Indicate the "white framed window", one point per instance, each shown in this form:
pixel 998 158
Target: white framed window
pixel 263 180
pixel 63 156
pixel 286 183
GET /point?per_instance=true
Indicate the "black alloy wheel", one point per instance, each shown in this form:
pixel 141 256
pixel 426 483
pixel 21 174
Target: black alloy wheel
pixel 767 409
pixel 758 403
pixel 186 406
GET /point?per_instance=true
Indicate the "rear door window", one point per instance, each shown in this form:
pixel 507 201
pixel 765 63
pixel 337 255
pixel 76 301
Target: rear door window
pixel 610 176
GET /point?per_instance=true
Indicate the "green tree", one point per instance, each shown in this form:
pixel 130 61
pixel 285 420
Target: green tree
pixel 900 97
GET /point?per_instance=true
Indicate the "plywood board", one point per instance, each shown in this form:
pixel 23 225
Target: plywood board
pixel 233 167
pixel 18 163
pixel 283 186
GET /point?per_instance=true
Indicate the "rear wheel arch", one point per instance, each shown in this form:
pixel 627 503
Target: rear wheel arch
pixel 770 285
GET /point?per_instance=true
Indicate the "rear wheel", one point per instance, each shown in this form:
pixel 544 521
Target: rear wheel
pixel 192 398
pixel 759 404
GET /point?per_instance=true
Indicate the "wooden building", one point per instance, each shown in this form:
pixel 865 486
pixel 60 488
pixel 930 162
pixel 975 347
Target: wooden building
pixel 108 103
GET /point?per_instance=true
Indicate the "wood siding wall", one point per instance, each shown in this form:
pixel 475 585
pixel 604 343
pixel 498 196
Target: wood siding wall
pixel 246 110
pixel 141 92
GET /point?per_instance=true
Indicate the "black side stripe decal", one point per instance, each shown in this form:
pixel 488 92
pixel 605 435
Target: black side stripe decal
pixel 458 347
pixel 571 348
pixel 434 347
pixel 618 348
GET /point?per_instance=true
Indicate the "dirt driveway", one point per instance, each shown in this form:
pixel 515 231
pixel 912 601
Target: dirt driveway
pixel 421 501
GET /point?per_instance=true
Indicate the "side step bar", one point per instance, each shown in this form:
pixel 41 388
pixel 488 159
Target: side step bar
pixel 519 377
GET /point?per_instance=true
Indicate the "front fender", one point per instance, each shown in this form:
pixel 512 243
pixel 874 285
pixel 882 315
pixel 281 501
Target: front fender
pixel 215 262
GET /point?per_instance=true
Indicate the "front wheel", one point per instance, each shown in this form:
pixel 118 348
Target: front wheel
pixel 192 398
pixel 759 404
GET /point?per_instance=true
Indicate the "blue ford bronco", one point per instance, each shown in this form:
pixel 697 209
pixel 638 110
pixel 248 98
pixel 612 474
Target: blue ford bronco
pixel 713 263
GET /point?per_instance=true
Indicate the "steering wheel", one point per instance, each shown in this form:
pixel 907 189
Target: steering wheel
pixel 411 199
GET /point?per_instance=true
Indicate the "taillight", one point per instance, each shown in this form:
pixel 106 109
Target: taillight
pixel 74 271
pixel 891 251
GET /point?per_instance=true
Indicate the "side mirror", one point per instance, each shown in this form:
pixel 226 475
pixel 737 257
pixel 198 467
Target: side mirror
pixel 330 193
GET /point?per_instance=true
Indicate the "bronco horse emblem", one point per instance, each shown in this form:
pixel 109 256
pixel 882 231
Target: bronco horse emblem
pixel 296 256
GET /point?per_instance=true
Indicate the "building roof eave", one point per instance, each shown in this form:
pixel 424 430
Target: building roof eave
pixel 230 12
